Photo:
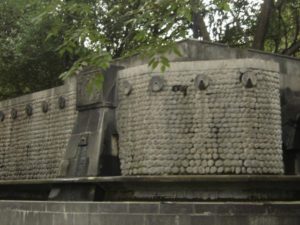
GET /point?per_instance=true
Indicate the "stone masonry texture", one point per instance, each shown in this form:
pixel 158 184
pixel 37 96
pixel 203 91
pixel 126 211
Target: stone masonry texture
pixel 148 213
pixel 201 117
pixel 33 146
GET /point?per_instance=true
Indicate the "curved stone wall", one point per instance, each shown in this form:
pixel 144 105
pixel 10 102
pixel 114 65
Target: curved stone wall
pixel 202 117
pixel 34 132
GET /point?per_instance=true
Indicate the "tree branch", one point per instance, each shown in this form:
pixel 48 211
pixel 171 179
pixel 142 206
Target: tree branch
pixel 297 23
pixel 292 49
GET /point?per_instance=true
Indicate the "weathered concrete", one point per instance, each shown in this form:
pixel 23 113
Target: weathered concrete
pixel 201 117
pixel 89 149
pixel 146 213
pixel 159 188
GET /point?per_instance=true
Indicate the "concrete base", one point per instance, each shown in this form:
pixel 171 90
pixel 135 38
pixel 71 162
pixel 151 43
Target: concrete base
pixel 149 213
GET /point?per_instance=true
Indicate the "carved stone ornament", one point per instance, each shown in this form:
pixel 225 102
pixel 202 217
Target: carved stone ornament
pixel 29 110
pixel 202 82
pixel 2 116
pixel 249 79
pixel 127 88
pixel 61 102
pixel 14 114
pixel 156 84
pixel 45 106
pixel 181 88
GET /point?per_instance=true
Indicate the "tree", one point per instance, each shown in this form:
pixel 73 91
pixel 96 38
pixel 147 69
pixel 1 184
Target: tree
pixel 198 26
pixel 102 30
pixel 283 34
pixel 127 28
pixel 27 62
pixel 41 39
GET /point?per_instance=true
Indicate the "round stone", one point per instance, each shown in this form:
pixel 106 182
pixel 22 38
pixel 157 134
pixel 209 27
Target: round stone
pixel 14 114
pixel 156 83
pixel 127 87
pixel 61 102
pixel 175 170
pixel 213 169
pixel 210 163
pixel 219 163
pixel 45 106
pixel 220 169
pixel 249 79
pixel 202 82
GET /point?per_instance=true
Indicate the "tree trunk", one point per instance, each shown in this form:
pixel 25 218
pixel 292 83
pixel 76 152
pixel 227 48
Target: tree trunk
pixel 198 25
pixel 262 25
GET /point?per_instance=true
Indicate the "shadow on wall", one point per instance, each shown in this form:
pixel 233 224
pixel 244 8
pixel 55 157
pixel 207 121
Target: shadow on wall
pixel 290 107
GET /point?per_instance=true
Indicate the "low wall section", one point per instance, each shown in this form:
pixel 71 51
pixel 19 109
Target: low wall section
pixel 150 213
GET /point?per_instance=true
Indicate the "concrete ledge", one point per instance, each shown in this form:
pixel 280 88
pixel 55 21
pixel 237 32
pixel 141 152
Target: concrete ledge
pixel 165 179
pixel 163 188
pixel 152 213
pixel 200 66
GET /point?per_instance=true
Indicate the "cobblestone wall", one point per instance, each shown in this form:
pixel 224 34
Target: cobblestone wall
pixel 34 132
pixel 202 117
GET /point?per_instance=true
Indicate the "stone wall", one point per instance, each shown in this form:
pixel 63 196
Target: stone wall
pixel 289 67
pixel 201 117
pixel 150 213
pixel 34 132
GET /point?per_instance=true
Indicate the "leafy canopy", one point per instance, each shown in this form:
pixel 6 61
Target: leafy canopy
pixel 40 39
pixel 98 31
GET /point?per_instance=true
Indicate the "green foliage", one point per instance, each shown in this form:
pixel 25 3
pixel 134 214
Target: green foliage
pixel 99 31
pixel 284 27
pixel 27 62
pixel 40 39
pixel 232 21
